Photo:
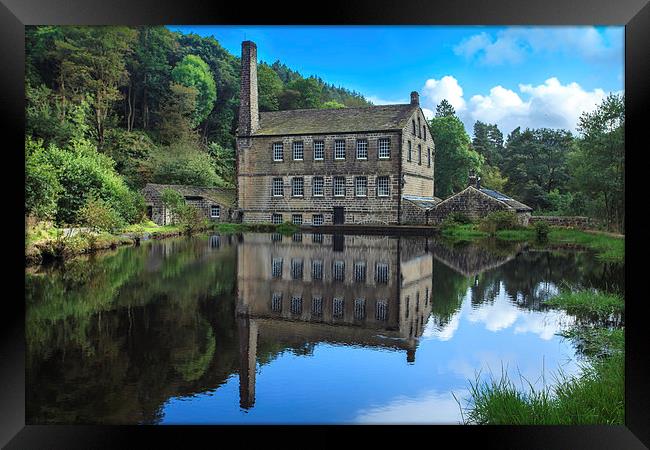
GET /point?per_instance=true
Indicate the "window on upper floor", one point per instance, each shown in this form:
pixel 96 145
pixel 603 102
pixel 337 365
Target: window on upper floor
pixel 297 187
pixel 319 150
pixel 383 186
pixel 318 186
pixel 414 131
pixel 339 186
pixel 362 149
pixel 339 149
pixel 419 128
pixel 383 146
pixel 419 154
pixel 361 186
pixel 298 151
pixel 410 151
pixel 277 187
pixel 428 157
pixel 278 151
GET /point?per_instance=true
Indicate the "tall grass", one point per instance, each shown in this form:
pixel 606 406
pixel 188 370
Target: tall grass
pixel 591 306
pixel 596 396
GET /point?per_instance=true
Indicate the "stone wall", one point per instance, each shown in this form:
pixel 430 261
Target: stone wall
pixel 564 221
pixel 471 202
pixel 161 215
pixel 414 215
pixel 418 176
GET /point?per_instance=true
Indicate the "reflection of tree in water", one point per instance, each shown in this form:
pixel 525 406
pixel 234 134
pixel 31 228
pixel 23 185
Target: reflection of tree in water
pixel 527 276
pixel 110 339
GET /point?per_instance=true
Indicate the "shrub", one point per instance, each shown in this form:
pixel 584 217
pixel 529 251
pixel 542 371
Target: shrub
pixel 188 216
pixel 100 216
pixel 499 220
pixel 461 218
pixel 541 230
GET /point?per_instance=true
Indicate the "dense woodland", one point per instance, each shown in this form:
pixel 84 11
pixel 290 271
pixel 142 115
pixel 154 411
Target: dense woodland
pixel 112 108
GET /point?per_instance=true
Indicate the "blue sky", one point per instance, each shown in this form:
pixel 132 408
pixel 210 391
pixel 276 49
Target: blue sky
pixel 512 76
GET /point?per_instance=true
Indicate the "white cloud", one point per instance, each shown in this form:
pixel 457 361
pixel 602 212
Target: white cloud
pixel 434 91
pixel 514 44
pixel 550 105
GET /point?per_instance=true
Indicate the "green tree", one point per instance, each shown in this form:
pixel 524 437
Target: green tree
pixel 444 109
pixel 270 87
pixel 454 157
pixel 598 163
pixel 42 188
pixel 176 115
pixel 92 64
pixel 310 91
pixel 488 141
pixel 188 216
pixel 193 72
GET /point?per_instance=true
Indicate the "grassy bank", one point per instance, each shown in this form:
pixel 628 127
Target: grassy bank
pixel 595 396
pixel 607 247
pixel 44 241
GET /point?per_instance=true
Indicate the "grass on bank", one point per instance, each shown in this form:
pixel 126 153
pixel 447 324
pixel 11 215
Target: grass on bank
pixel 596 307
pixel 607 247
pixel 595 396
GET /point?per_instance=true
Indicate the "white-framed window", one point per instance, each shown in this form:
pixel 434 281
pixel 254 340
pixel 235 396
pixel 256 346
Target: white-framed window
pixel 361 186
pixel 381 310
pixel 276 218
pixel 297 187
pixel 298 151
pixel 420 154
pixel 360 271
pixel 337 307
pixel 381 273
pixel 296 268
pixel 296 219
pixel 410 151
pixel 319 150
pixel 276 268
pixel 383 186
pixel 278 187
pixel 428 157
pixel 339 149
pixel 317 186
pixel 384 148
pixel 362 149
pixel 317 219
pixel 317 269
pixel 278 151
pixel 360 308
pixel 339 187
pixel 215 211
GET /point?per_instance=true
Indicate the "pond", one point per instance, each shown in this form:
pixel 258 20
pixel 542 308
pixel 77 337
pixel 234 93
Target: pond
pixel 310 328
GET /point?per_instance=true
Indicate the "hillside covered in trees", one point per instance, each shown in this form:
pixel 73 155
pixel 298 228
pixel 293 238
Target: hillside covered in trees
pixel 110 109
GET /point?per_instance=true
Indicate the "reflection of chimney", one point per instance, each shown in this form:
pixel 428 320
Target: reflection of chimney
pixel 248 106
pixel 247 361
pixel 410 355
pixel 415 98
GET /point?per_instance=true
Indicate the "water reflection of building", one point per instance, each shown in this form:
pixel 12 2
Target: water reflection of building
pixel 356 290
pixel 471 259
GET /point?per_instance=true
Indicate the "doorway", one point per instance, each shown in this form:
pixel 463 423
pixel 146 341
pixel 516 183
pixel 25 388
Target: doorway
pixel 339 215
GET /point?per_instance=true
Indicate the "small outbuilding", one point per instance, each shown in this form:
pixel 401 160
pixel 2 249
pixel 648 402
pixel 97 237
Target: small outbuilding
pixel 217 204
pixel 476 202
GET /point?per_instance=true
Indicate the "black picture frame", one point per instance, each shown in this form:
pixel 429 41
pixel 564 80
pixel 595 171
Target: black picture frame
pixel 15 14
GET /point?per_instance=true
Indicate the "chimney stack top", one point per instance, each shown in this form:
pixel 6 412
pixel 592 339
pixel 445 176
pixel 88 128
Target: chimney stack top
pixel 415 98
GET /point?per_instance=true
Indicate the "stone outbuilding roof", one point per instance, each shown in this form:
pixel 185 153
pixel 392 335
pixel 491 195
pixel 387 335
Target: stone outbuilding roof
pixel 518 206
pixel 341 120
pixel 426 203
pixel 223 196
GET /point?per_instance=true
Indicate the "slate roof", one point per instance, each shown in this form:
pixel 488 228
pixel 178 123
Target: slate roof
pixel 422 202
pixel 341 120
pixel 224 196
pixel 518 206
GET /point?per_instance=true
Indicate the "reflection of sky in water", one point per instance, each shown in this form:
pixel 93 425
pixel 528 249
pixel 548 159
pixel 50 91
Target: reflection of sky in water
pixel 339 384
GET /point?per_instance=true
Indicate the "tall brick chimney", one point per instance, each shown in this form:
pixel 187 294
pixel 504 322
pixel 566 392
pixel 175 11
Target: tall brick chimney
pixel 415 98
pixel 249 116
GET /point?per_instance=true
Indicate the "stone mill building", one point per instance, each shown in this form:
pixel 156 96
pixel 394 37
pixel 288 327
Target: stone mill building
pixel 369 165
